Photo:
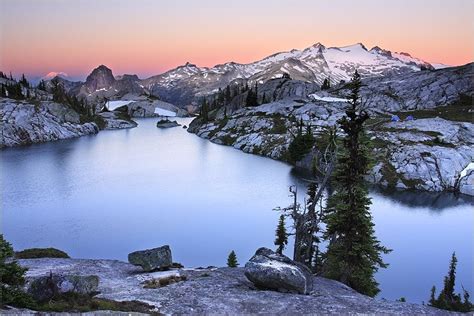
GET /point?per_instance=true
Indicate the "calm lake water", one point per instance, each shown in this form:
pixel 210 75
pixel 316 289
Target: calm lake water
pixel 106 195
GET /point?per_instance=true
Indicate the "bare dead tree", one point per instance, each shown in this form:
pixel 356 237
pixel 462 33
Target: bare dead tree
pixel 307 217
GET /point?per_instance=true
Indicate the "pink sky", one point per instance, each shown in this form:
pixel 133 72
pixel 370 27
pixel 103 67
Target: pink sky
pixel 148 37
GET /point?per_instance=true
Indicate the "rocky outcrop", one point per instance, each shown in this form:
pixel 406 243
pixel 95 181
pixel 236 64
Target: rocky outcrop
pixel 165 123
pixel 269 270
pixel 26 122
pixel 152 259
pixel 224 291
pixel 426 154
pixel 416 90
pixel 46 286
pixel 116 120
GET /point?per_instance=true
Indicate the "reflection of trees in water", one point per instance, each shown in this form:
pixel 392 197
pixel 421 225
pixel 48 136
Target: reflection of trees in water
pixel 437 201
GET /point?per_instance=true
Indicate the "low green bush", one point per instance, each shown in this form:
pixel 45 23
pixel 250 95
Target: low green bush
pixel 34 253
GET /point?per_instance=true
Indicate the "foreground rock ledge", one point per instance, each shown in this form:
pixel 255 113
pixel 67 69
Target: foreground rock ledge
pixel 221 291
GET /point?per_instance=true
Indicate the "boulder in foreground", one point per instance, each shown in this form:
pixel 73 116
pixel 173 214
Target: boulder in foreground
pixel 152 259
pixel 270 270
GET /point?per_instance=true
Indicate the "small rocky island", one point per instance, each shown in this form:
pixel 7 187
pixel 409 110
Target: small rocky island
pixel 269 283
pixel 166 123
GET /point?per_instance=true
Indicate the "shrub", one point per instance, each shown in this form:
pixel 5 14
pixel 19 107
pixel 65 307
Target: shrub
pixel 34 253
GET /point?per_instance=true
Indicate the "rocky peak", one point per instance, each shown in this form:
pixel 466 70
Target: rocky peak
pixel 318 48
pixel 362 46
pixel 100 78
pixel 381 51
pixel 318 45
pixel 189 65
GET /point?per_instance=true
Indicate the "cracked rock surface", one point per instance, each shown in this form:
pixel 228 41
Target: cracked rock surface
pixel 220 290
pixel 27 123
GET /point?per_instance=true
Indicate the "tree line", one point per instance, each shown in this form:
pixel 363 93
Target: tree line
pixel 22 89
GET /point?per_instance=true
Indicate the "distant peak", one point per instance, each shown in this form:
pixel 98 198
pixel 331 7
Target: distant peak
pixel 361 45
pixel 100 76
pixel 381 51
pixel 355 46
pixel 405 54
pixel 54 74
pixel 188 64
pixel 317 46
pixel 102 67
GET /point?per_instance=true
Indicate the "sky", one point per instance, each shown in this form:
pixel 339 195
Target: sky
pixel 148 37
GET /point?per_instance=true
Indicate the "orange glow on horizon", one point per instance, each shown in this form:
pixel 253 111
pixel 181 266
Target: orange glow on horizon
pixel 147 37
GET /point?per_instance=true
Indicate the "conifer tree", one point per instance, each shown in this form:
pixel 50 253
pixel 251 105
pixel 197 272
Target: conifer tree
pixel 232 260
pixel 24 82
pixel 301 143
pixel 326 84
pixel 354 254
pixel 447 298
pixel 204 111
pixel 12 279
pixel 42 85
pixel 227 94
pixel 3 91
pixel 256 94
pixel 281 239
pixel 252 97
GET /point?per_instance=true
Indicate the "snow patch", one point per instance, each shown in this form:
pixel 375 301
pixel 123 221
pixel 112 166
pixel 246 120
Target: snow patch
pixel 164 112
pixel 112 105
pixel 327 99
pixel 468 168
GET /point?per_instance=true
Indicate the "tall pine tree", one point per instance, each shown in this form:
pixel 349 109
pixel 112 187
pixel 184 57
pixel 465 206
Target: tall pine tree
pixel 447 298
pixel 354 254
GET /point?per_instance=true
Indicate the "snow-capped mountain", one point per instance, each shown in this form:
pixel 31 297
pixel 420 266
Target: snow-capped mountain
pixel 185 84
pixel 313 64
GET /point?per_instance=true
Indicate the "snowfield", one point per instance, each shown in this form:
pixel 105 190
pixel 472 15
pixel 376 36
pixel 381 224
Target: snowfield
pixel 112 105
pixel 164 112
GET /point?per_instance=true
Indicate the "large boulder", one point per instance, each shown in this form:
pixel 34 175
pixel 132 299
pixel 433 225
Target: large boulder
pixel 46 287
pixel 270 270
pixel 152 259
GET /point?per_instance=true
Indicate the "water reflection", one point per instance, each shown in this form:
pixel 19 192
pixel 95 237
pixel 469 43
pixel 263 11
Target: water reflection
pixel 105 195
pixel 433 201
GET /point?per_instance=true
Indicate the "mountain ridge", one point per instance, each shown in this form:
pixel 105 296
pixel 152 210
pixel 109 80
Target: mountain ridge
pixel 187 83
